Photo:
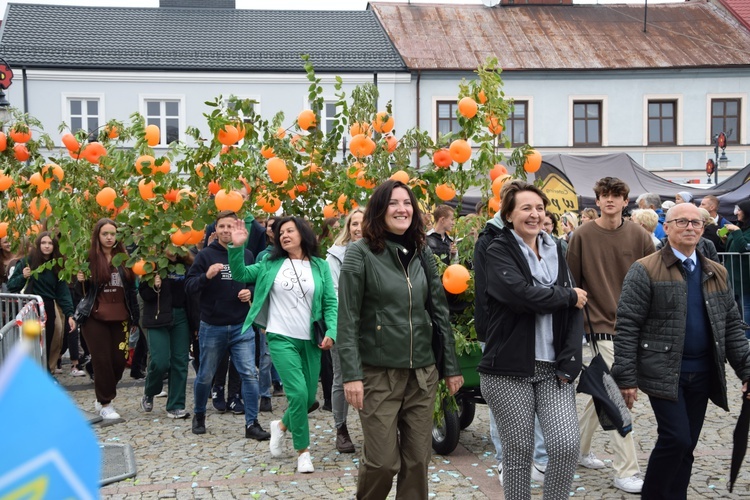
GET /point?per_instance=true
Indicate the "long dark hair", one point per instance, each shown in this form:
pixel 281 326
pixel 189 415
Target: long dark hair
pixel 374 226
pixel 37 258
pixel 100 268
pixel 308 243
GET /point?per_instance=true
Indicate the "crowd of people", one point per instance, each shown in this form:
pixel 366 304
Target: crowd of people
pixel 280 310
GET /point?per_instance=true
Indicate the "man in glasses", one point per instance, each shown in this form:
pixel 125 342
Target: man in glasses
pixel 677 325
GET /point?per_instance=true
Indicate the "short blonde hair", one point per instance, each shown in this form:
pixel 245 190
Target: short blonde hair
pixel 646 217
pixel 707 219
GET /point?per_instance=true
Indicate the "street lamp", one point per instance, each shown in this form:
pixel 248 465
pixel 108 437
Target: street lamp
pixel 720 142
pixel 6 78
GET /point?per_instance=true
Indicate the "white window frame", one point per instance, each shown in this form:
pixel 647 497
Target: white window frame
pixel 605 117
pixel 678 98
pixel 181 118
pixel 743 115
pixel 255 98
pixel 434 112
pixel 67 97
pixel 529 115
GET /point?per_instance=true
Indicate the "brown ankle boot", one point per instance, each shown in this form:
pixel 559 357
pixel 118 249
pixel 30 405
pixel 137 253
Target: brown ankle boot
pixel 343 441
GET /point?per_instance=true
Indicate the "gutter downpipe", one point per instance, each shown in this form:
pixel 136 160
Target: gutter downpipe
pixel 25 91
pixel 419 79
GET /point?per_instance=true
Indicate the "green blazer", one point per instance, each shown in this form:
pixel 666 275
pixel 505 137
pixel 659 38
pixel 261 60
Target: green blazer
pixel 262 274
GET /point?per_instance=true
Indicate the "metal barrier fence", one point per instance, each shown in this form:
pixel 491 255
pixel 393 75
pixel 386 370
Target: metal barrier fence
pixel 14 309
pixel 738 266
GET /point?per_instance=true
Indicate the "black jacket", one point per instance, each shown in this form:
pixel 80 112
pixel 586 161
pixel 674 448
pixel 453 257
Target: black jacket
pixel 158 304
pixel 219 304
pixel 440 246
pixel 489 233
pixel 513 303
pixel 89 290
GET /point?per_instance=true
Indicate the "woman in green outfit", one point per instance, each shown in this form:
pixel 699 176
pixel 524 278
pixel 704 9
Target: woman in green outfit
pixel 738 241
pixel 293 279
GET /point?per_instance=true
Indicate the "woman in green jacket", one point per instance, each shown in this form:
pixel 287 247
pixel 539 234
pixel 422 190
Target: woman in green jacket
pixel 387 282
pixel 738 241
pixel 293 289
pixel 48 286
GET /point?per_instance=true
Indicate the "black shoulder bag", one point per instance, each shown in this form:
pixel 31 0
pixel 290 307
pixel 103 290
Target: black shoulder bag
pixel 437 335
pixel 598 382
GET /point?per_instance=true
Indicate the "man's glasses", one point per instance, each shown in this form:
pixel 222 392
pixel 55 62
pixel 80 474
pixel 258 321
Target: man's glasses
pixel 683 223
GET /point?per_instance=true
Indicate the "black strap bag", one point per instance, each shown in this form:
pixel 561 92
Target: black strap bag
pixel 437 334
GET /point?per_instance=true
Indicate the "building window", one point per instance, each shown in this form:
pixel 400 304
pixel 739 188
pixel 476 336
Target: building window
pixel 516 127
pixel 447 121
pixel 84 115
pixel 165 114
pixel 662 123
pixel 327 116
pixel 725 117
pixel 587 123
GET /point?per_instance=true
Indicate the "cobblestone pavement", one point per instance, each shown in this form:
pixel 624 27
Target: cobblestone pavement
pixel 174 463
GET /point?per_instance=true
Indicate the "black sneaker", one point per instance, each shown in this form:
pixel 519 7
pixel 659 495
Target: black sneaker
pixel 327 406
pixel 255 431
pixel 278 390
pixel 199 423
pixel 217 398
pixel 147 403
pixel 265 404
pixel 236 406
pixel 314 407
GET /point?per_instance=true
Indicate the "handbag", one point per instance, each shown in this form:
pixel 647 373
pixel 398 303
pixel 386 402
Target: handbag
pixel 597 381
pixel 437 334
pixel 319 325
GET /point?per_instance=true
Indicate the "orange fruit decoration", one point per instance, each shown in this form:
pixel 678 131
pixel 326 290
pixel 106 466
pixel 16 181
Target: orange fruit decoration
pixel 442 158
pixel 240 126
pixel 482 97
pixel 460 151
pixel 144 161
pixel 15 205
pixel 139 267
pixel 70 142
pixel 213 187
pixel 494 125
pixel 306 119
pixel 39 207
pixel 37 180
pixel 3 229
pixel 3 141
pixel 93 152
pixel 401 176
pixel 533 161
pixel 112 132
pixel 21 152
pixel 195 235
pixel 354 169
pixel 146 189
pixel 272 205
pixel 468 107
pixel 301 188
pixel 363 181
pixel 57 171
pixel 360 128
pixel 497 184
pixel 497 171
pixel 341 204
pixel 228 135
pixel 6 181
pixel 164 168
pixel 231 200
pixel 493 205
pixel 152 135
pixel 173 196
pixel 199 169
pixel 311 169
pixel 106 196
pixel 391 143
pixel 361 146
pixel 383 123
pixel 280 133
pixel 456 279
pixel 179 237
pixel 277 170
pixel 329 211
pixel 20 133
pixel 267 152
pixel 445 192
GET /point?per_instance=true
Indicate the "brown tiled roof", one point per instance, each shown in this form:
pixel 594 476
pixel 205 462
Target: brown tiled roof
pixel 591 37
pixel 740 9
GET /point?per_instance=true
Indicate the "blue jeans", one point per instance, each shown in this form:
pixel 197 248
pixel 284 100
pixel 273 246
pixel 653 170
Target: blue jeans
pixel 679 425
pixel 264 382
pixel 214 342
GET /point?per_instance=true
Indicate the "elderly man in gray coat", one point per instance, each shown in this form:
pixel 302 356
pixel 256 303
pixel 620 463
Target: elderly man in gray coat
pixel 677 324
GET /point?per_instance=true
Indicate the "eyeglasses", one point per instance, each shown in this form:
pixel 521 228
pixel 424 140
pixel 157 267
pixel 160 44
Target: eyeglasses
pixel 683 223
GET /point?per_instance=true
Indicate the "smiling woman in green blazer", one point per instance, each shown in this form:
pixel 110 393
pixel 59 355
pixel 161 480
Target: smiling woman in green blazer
pixel 293 289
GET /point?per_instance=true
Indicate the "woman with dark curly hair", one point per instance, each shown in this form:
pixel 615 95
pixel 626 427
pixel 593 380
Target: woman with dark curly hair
pixel 388 283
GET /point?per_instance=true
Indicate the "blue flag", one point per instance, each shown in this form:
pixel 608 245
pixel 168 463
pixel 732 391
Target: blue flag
pixel 44 454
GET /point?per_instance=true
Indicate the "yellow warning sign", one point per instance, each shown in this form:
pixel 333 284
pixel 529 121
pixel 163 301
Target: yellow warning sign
pixel 561 194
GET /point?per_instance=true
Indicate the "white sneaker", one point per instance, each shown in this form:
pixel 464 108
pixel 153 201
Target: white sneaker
pixel 500 473
pixel 277 440
pixel 75 372
pixel 109 413
pixel 162 394
pixel 97 406
pixel 304 463
pixel 537 472
pixel 632 484
pixel 591 462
